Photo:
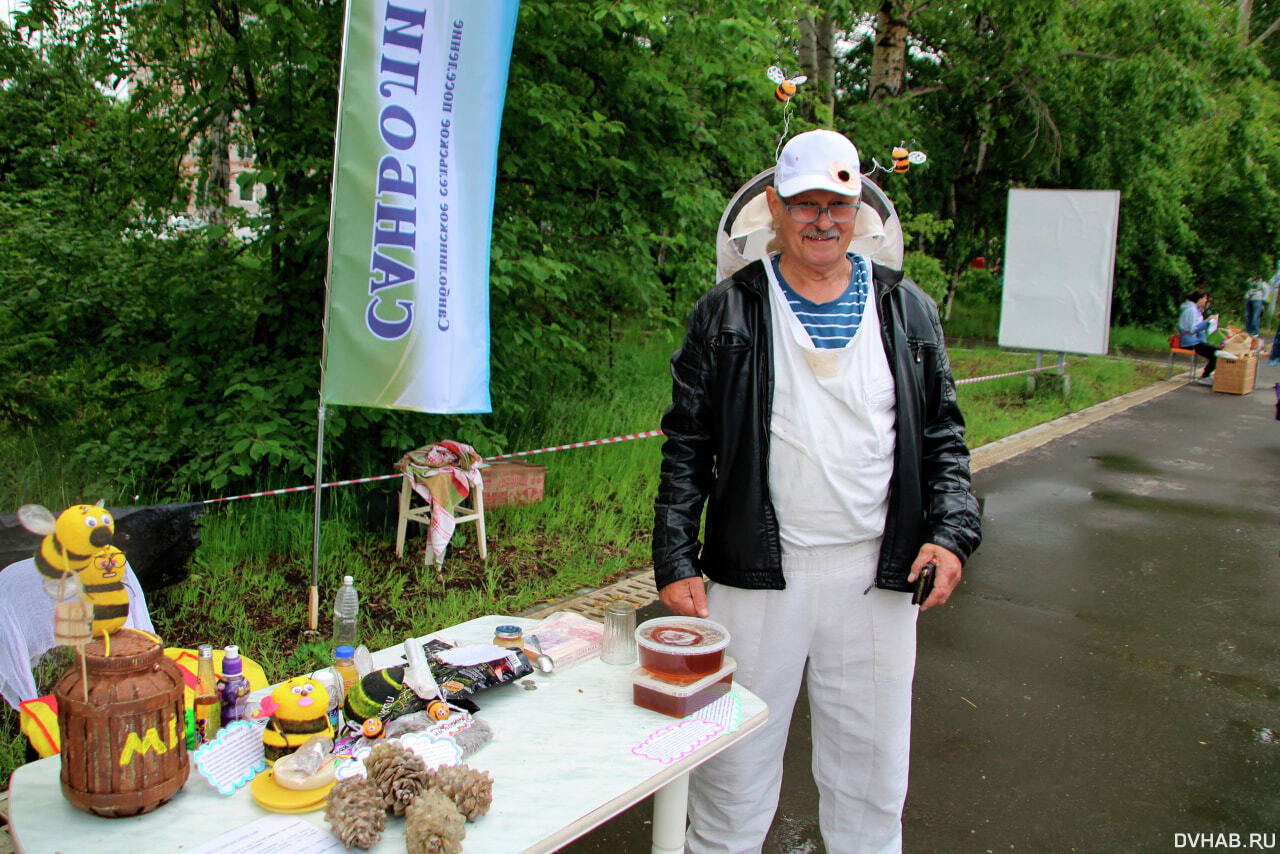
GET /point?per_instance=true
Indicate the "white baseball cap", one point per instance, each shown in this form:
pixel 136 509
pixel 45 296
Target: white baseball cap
pixel 818 160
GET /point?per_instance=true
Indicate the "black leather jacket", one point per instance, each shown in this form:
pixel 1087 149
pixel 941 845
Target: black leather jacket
pixel 717 441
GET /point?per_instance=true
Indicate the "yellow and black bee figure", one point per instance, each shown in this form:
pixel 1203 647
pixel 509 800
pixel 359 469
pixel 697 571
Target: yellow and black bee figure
pixel 901 159
pixel 299 710
pixel 786 85
pixel 70 541
pixel 103 583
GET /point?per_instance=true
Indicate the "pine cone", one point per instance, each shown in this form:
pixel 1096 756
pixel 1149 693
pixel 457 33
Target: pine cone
pixel 398 772
pixel 469 789
pixel 355 812
pixel 433 825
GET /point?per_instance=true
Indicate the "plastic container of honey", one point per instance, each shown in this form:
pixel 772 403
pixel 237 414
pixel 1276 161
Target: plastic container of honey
pixel 678 701
pixel 680 650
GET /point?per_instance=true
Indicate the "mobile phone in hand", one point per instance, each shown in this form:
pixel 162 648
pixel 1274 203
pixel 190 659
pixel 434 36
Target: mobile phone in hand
pixel 924 584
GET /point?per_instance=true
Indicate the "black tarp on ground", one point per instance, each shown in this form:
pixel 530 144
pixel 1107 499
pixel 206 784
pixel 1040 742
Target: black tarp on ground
pixel 162 537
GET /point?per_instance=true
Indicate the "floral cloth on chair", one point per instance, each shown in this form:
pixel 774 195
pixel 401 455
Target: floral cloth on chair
pixel 443 474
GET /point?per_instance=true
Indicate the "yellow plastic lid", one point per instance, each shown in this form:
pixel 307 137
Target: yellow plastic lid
pixel 270 795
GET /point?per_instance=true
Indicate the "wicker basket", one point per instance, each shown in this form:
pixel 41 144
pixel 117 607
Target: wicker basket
pixel 1236 377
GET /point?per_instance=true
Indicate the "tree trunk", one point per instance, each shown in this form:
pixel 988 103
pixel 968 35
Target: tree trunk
pixel 889 60
pixel 954 284
pixel 818 62
pixel 951 295
pixel 1244 21
pixel 217 189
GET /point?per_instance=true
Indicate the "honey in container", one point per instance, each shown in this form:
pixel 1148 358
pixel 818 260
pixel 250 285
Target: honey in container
pixel 680 650
pixel 680 700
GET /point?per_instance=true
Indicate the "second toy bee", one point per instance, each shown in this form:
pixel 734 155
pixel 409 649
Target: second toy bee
pixel 904 160
pixel 103 583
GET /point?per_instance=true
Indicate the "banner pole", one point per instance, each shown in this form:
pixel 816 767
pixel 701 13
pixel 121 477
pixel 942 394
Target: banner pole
pixel 313 605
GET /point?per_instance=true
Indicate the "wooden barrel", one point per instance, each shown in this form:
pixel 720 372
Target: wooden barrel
pixel 124 752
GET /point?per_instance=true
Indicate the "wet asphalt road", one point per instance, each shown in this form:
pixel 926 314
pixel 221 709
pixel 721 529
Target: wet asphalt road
pixel 1107 678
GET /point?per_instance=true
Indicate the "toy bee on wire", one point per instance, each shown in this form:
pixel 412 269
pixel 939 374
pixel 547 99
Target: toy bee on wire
pixel 785 91
pixel 786 85
pixel 901 159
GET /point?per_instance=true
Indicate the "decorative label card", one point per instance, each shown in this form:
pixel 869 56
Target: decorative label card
pixel 727 712
pixel 234 757
pixel 677 740
pixel 435 750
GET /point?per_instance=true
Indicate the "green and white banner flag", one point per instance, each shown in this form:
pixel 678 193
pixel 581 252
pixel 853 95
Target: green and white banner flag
pixel 407 319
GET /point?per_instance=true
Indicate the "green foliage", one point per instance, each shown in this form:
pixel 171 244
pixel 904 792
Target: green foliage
pixel 626 128
pixel 926 271
pixel 973 318
pixel 1130 339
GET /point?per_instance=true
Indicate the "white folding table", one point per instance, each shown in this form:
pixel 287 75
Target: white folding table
pixel 561 759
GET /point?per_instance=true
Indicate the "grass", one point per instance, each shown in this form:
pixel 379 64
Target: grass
pixel 249 580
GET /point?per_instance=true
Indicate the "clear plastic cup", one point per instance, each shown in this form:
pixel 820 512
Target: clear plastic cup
pixel 619 646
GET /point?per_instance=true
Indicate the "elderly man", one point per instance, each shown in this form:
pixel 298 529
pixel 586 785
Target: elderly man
pixel 814 413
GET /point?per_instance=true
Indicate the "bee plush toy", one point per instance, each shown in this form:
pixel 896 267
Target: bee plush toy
pixel 70 541
pixel 80 567
pixel 299 710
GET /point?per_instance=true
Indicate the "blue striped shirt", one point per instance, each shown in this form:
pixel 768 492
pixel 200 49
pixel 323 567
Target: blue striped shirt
pixel 831 325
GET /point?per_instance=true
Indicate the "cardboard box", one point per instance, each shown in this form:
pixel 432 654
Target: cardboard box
pixel 1236 377
pixel 510 482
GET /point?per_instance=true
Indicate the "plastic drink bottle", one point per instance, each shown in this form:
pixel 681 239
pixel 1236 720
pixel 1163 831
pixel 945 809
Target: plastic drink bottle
pixel 344 663
pixel 233 687
pixel 206 702
pixel 346 615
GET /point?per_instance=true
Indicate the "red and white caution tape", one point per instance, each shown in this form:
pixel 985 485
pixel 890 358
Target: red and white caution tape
pixel 611 440
pixel 1010 374
pixel 645 435
pixel 307 488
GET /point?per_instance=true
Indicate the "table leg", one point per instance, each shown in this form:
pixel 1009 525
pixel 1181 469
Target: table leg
pixel 669 810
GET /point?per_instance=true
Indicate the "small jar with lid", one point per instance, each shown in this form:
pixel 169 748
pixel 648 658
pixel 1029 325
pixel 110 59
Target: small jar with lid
pixel 511 637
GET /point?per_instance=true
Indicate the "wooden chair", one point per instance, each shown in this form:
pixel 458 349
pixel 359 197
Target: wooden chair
pixel 1174 349
pixel 471 509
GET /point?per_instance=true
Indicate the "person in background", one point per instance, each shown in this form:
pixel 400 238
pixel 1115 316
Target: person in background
pixel 814 415
pixel 1193 327
pixel 1255 297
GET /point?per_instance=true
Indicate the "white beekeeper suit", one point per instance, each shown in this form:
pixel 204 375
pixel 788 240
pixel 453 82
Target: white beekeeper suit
pixel 856 642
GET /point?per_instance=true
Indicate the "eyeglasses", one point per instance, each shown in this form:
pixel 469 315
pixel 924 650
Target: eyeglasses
pixel 807 212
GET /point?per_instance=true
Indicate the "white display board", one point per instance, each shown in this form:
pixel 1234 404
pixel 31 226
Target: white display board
pixel 1059 262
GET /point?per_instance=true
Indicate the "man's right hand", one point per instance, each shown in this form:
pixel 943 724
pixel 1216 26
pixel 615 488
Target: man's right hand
pixel 686 597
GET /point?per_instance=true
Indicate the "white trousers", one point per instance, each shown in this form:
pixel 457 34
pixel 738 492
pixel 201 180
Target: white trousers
pixel 860 649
